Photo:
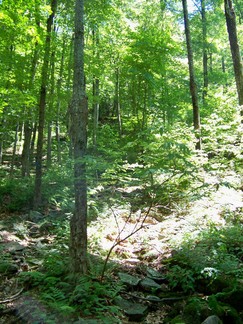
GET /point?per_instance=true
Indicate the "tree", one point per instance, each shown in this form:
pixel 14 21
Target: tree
pixel 235 49
pixel 78 110
pixel 193 85
pixel 42 106
pixel 205 54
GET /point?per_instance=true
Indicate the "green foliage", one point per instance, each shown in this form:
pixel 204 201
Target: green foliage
pixel 55 263
pixel 214 258
pixel 181 278
pixel 67 296
pixel 94 297
pixel 58 186
pixel 16 194
pixel 32 279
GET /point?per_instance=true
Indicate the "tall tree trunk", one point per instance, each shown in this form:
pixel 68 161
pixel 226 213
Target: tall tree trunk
pixel 14 150
pixel 96 106
pixel 2 132
pixel 32 142
pixel 225 85
pixel 50 108
pixel 144 111
pixel 96 88
pixel 193 85
pixel 26 150
pixel 117 105
pixel 49 145
pixel 42 107
pixel 78 110
pixel 205 55
pixel 28 125
pixel 59 85
pixel 235 49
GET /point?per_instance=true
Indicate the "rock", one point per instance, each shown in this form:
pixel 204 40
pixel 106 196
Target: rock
pixel 30 310
pixel 135 312
pixel 128 279
pixel 12 247
pixel 212 320
pixel 155 275
pixel 34 231
pixel 35 216
pixel 149 284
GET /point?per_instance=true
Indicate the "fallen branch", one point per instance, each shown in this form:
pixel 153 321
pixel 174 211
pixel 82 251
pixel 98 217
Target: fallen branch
pixel 157 300
pixel 12 298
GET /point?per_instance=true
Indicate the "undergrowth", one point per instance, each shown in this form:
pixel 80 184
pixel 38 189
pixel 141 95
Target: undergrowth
pixel 213 258
pixel 70 297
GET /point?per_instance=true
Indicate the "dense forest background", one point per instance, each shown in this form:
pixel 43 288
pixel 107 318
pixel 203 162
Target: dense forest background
pixel 120 119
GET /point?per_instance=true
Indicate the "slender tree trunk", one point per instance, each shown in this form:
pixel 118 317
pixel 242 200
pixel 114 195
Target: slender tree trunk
pixel 225 85
pixel 42 107
pixel 144 120
pixel 32 143
pixel 28 125
pixel 1 151
pixel 26 150
pixel 78 110
pixel 235 49
pixel 205 55
pixel 117 105
pixel 50 108
pixel 96 89
pixel 49 146
pixel 96 107
pixel 193 85
pixel 2 131
pixel 14 150
pixel 59 85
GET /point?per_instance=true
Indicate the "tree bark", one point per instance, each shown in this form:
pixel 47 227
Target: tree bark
pixel 59 86
pixel 205 55
pixel 96 88
pixel 28 125
pixel 50 108
pixel 42 107
pixel 26 150
pixel 193 85
pixel 117 105
pixel 78 110
pixel 14 150
pixel 235 49
pixel 96 107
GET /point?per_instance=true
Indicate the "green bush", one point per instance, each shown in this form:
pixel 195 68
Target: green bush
pixel 94 297
pixel 16 194
pixel 213 259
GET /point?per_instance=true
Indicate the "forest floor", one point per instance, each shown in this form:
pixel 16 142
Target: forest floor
pixel 138 239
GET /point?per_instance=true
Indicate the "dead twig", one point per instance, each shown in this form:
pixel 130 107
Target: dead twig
pixel 12 298
pixel 119 240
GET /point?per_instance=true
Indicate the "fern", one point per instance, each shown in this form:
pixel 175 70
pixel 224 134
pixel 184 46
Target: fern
pixel 53 294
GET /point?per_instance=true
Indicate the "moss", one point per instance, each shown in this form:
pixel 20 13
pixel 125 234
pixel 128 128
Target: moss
pixel 177 320
pixel 196 310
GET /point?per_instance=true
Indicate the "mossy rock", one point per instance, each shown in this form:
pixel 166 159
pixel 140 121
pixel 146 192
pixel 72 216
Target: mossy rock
pixel 196 310
pixel 226 312
pixel 234 299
